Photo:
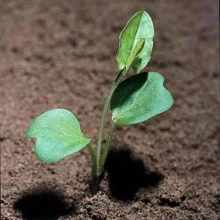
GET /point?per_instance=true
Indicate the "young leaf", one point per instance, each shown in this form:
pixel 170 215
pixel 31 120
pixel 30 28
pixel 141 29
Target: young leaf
pixel 138 29
pixel 134 53
pixel 139 98
pixel 57 134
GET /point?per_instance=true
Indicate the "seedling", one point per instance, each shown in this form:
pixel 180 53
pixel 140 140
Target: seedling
pixel 131 100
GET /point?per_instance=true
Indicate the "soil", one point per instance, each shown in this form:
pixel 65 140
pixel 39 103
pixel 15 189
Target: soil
pixel 61 54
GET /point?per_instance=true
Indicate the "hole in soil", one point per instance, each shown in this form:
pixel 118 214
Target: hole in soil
pixel 128 174
pixel 43 204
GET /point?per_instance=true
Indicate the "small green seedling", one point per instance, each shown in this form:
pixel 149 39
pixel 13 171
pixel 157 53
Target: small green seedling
pixel 132 100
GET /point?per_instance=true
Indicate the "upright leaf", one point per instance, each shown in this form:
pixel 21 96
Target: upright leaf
pixel 135 52
pixel 139 98
pixel 139 29
pixel 57 134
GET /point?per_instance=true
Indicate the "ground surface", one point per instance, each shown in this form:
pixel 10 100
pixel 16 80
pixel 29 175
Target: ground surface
pixel 61 54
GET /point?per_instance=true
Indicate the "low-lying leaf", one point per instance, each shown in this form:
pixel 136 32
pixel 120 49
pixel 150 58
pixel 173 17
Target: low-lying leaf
pixel 57 134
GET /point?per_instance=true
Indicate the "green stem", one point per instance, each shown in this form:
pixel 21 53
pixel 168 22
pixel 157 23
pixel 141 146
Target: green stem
pixel 95 184
pixel 107 146
pixel 97 165
pixel 104 114
pixel 94 161
pixel 95 177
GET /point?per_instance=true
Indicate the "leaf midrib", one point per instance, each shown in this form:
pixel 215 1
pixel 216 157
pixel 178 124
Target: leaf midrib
pixel 135 37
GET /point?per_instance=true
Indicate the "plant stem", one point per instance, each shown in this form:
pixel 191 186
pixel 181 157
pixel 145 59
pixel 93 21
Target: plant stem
pixel 107 146
pixel 101 129
pixel 98 162
pixel 94 161
pixel 104 114
pixel 95 184
pixel 95 177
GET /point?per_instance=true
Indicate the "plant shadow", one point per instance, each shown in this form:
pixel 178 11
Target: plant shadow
pixel 128 174
pixel 44 204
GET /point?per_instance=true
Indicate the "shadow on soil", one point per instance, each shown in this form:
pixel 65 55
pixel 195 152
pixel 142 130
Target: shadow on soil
pixel 127 175
pixel 43 204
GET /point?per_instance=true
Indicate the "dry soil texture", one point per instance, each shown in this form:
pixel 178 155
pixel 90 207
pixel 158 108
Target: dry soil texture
pixel 61 54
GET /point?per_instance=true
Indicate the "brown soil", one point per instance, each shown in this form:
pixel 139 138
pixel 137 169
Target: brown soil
pixel 61 54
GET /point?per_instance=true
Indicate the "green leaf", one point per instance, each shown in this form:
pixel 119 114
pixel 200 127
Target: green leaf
pixel 134 53
pixel 139 98
pixel 139 29
pixel 57 134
